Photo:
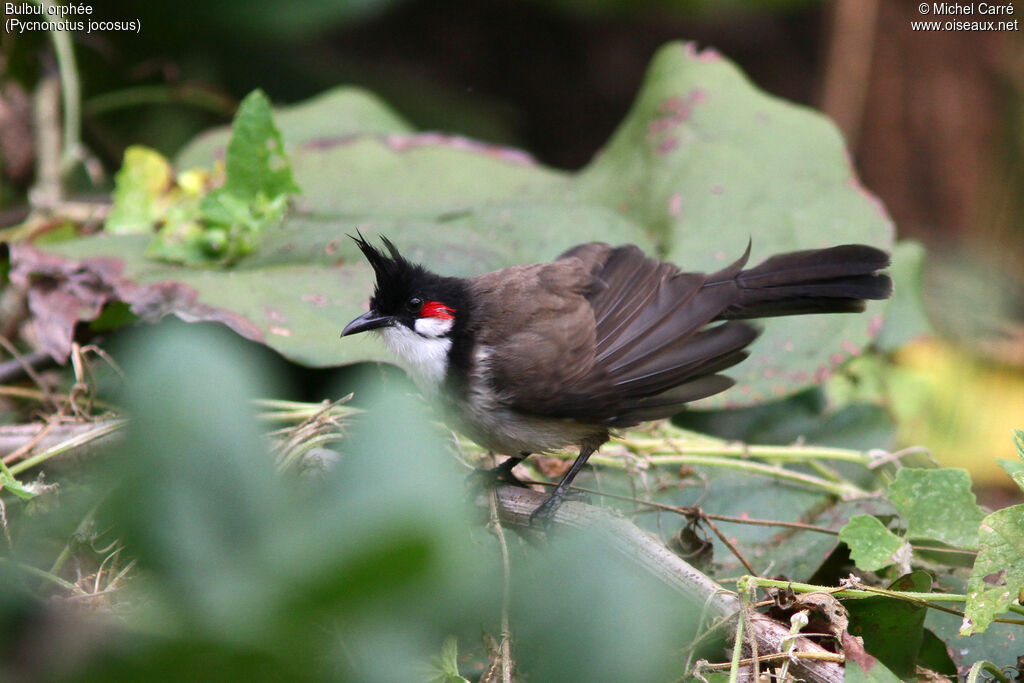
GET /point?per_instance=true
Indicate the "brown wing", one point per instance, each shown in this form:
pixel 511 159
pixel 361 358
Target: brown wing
pixel 620 335
pixel 540 326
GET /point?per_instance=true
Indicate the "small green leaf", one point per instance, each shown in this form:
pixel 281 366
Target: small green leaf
pixel 445 667
pixel 937 505
pixel 872 546
pixel 1013 468
pixel 145 175
pixel 256 162
pixel 998 574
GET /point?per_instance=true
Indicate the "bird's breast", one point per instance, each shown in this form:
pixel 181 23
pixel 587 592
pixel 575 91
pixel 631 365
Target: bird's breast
pixel 425 358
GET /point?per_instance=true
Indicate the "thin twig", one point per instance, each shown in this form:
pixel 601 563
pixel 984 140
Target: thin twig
pixel 30 371
pixel 728 544
pixel 782 656
pixel 505 646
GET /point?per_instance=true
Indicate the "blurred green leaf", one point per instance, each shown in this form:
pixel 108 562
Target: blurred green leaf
pixel 256 163
pixel 892 629
pixel 937 505
pixel 905 317
pixel 998 575
pixel 140 186
pixel 872 546
pixel 1015 468
pixel 555 640
pixel 446 665
pixel 230 219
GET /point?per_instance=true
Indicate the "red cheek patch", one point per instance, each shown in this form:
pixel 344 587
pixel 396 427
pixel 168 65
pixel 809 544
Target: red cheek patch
pixel 436 309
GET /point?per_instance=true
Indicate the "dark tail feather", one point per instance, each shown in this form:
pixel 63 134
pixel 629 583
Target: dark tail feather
pixel 834 280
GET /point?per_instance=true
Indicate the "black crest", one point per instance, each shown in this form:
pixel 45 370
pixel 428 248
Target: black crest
pixel 397 277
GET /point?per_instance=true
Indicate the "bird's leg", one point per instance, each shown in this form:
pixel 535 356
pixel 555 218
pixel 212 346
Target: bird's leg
pixel 502 474
pixel 543 514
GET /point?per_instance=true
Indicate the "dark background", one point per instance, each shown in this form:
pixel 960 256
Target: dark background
pixel 933 119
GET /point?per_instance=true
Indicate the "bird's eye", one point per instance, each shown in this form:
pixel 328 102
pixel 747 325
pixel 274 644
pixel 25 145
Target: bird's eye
pixel 414 304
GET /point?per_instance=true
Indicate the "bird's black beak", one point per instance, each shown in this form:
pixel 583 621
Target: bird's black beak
pixel 370 320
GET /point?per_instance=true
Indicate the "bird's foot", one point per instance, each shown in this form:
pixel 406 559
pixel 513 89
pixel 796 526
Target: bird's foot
pixel 545 512
pixel 502 474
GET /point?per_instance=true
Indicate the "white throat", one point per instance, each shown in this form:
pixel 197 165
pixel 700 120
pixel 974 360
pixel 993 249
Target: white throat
pixel 424 351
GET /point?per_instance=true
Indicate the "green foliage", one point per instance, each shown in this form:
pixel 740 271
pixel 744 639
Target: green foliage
pixel 198 225
pixel 872 546
pixel 8 482
pixel 877 673
pixel 998 575
pixel 142 182
pixel 937 505
pixel 1015 468
pixel 892 629
pixel 446 665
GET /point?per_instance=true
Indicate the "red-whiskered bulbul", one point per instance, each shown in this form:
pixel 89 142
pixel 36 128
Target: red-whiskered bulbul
pixel 534 358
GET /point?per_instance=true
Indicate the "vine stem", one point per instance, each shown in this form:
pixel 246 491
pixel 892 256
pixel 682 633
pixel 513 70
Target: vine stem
pixel 736 449
pixel 505 646
pixel 974 675
pixel 926 599
pixel 842 490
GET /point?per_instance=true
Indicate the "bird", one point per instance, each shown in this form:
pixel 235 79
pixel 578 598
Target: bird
pixel 539 357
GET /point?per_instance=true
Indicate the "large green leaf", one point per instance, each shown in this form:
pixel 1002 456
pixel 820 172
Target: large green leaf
pixel 937 505
pixel 708 162
pixel 703 163
pixel 1000 643
pixel 998 575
